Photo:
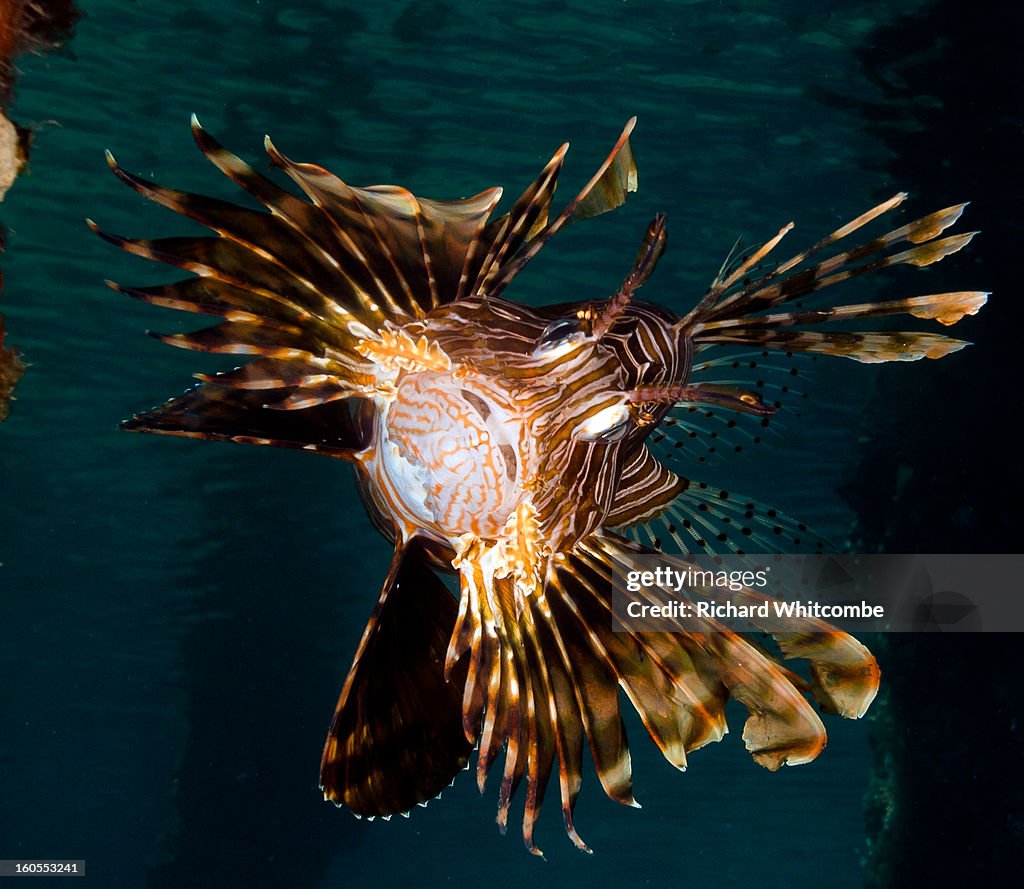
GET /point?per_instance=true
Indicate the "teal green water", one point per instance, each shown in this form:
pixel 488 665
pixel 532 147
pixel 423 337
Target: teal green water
pixel 177 616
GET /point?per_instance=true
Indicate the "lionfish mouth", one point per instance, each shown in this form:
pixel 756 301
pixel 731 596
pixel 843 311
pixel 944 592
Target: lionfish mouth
pixel 518 448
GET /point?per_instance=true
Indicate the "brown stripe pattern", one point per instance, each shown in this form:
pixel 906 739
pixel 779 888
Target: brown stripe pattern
pixel 518 448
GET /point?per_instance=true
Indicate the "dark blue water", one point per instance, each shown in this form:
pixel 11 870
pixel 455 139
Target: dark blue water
pixel 176 617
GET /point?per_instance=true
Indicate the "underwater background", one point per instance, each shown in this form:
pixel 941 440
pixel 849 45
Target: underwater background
pixel 177 617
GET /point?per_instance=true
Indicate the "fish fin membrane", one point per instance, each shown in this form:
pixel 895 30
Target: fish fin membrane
pixel 844 674
pixel 765 392
pixel 678 682
pixel 606 190
pixel 706 518
pixel 645 488
pixel 223 414
pixel 396 738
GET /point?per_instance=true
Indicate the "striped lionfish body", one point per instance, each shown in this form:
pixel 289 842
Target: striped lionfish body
pixel 514 447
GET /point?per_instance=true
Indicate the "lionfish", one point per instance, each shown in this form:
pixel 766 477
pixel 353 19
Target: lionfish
pixel 514 447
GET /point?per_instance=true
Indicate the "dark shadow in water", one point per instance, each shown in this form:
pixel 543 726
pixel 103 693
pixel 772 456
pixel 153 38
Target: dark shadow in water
pixel 31 26
pixel 259 681
pixel 946 808
pixel 25 26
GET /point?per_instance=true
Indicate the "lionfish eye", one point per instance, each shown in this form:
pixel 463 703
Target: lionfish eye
pixel 609 424
pixel 558 338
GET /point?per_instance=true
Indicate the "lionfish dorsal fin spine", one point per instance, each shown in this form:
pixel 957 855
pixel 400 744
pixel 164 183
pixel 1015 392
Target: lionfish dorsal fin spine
pixel 506 234
pixel 740 317
pixel 606 190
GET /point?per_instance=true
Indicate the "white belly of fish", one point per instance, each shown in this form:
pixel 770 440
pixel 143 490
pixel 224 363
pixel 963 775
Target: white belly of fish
pixel 449 455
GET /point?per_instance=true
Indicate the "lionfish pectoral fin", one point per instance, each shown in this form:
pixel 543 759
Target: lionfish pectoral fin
pixel 646 487
pixel 670 513
pixel 844 674
pixel 396 738
pixel 679 682
pixel 542 679
pixel 696 516
pixel 782 727
pixel 664 675
pixel 523 691
pixel 713 663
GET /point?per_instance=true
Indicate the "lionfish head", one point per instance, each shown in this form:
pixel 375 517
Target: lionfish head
pixel 509 418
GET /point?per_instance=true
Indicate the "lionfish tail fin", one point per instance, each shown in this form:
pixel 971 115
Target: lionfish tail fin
pixel 737 308
pixel 544 668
